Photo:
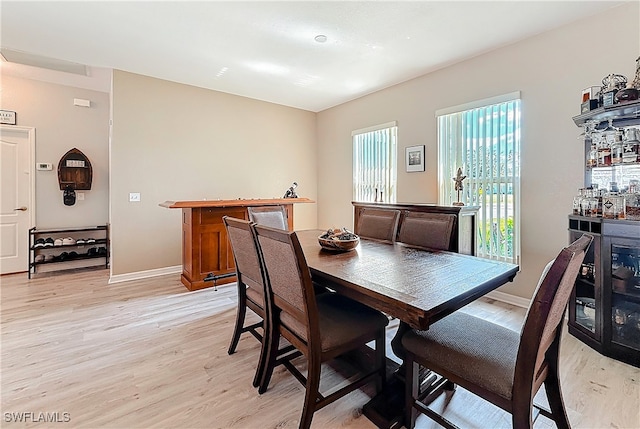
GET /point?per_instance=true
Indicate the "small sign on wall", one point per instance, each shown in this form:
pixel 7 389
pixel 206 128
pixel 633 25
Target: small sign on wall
pixel 7 117
pixel 74 163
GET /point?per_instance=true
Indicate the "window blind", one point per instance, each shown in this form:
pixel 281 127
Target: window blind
pixel 374 164
pixel 485 143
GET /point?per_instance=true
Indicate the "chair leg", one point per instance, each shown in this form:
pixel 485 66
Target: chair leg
pixel 262 361
pixel 412 370
pixel 556 403
pixel 272 339
pixel 521 414
pixel 240 315
pixel 311 394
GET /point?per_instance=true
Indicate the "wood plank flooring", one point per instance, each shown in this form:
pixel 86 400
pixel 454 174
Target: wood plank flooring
pixel 151 354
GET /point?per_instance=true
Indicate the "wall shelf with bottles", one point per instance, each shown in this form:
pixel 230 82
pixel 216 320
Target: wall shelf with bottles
pixel 612 161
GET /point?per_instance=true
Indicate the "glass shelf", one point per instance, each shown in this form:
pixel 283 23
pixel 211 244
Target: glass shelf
pixel 623 114
pixel 586 313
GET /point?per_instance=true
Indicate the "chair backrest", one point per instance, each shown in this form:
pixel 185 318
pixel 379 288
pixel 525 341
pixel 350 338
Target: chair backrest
pixel 378 224
pixel 432 230
pixel 541 330
pixel 245 254
pixel 272 216
pixel 290 294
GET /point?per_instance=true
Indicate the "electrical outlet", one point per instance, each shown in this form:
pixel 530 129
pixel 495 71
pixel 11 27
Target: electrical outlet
pixel 134 197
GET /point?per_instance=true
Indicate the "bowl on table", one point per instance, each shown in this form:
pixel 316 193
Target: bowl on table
pixel 338 240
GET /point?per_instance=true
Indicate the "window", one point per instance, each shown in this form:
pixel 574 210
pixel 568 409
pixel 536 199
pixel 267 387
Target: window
pixel 374 163
pixel 483 139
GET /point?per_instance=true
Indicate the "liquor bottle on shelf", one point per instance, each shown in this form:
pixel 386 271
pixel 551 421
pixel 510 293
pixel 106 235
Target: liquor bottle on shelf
pixel 617 148
pixel 604 154
pixel 592 158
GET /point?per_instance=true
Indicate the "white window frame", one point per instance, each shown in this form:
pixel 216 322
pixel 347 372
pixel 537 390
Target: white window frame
pixel 495 235
pixel 375 165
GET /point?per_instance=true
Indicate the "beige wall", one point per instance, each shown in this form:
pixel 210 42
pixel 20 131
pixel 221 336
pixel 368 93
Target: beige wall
pixel 61 126
pixel 550 69
pixel 178 142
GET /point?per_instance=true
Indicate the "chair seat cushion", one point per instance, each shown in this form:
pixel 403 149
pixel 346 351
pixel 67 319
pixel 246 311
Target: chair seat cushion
pixel 472 348
pixel 341 320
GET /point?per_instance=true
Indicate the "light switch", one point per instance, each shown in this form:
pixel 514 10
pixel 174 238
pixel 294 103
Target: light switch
pixel 134 197
pixel 80 196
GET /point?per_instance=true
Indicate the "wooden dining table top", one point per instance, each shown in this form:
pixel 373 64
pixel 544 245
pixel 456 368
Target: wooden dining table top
pixel 417 286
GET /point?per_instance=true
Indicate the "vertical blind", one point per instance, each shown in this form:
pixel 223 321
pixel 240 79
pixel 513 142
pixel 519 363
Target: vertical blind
pixel 485 143
pixel 374 163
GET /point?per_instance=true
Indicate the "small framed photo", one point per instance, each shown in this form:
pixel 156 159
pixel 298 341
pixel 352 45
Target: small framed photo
pixel 7 117
pixel 415 158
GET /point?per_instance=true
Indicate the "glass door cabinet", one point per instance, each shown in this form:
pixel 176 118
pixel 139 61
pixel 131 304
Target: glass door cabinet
pixel 604 309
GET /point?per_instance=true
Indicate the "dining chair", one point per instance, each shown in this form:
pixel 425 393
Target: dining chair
pixel 273 216
pixel 378 224
pixel 504 367
pixel 321 327
pixel 430 230
pixel 276 217
pixel 250 281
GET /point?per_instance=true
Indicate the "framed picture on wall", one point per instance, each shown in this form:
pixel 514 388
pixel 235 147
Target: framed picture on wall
pixel 414 158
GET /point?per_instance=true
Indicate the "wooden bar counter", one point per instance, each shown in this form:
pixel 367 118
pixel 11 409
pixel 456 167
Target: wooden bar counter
pixel 206 251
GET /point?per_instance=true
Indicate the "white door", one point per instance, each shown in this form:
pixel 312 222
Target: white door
pixel 17 199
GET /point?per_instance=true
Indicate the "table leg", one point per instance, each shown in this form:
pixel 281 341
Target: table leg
pixel 386 410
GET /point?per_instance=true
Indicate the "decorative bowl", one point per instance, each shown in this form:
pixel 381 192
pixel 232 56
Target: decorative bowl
pixel 338 240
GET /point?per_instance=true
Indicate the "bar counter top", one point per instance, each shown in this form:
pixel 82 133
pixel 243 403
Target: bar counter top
pixel 240 202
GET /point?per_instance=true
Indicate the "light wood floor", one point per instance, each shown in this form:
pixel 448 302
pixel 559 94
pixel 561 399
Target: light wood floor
pixel 150 354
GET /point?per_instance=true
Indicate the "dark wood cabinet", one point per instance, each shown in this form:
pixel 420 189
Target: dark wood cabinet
pixel 464 230
pixel 585 307
pixel 604 309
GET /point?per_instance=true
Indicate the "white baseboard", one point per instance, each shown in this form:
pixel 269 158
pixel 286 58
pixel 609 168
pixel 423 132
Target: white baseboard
pixel 518 301
pixel 177 269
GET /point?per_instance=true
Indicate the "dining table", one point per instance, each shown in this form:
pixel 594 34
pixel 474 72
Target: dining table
pixel 415 285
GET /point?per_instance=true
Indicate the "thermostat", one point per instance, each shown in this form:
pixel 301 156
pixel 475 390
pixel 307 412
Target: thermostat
pixel 44 166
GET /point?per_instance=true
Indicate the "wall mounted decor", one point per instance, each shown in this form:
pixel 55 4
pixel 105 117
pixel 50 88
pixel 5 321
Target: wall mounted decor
pixel 75 169
pixel 74 174
pixel 7 117
pixel 415 158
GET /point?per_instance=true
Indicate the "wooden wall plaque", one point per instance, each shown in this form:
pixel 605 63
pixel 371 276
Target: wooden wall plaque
pixel 74 169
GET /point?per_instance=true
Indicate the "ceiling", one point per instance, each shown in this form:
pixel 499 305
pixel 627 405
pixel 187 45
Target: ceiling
pixel 266 50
